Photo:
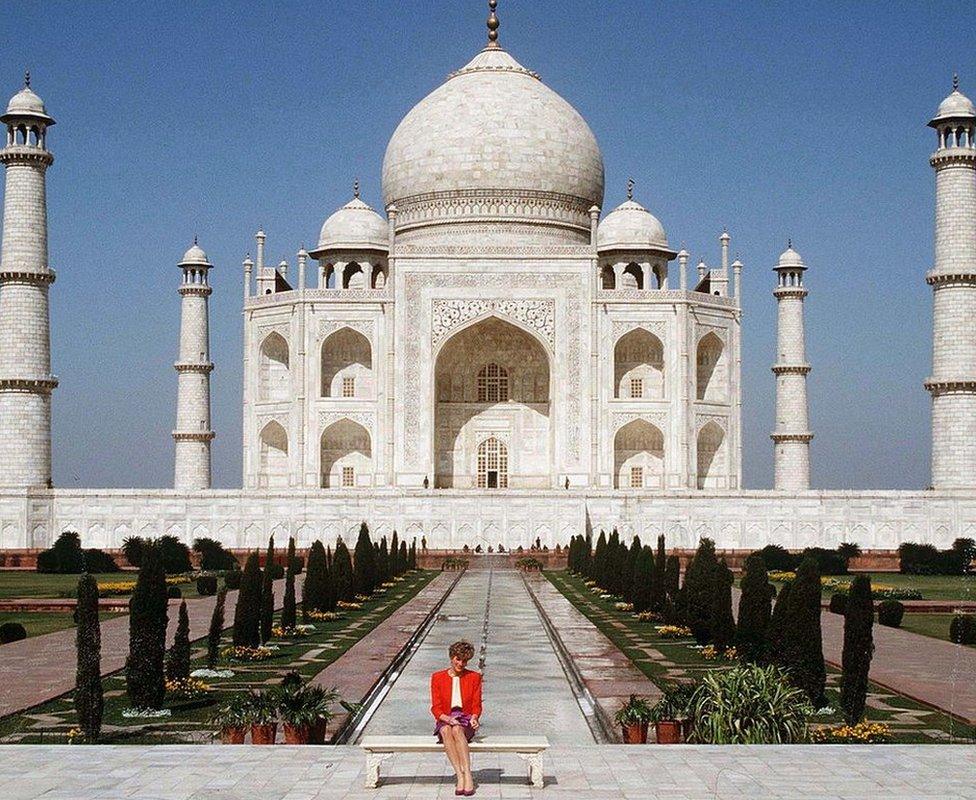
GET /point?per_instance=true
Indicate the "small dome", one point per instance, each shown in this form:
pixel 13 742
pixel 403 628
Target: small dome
pixel 630 226
pixel 26 104
pixel 956 105
pixel 790 258
pixel 355 226
pixel 195 255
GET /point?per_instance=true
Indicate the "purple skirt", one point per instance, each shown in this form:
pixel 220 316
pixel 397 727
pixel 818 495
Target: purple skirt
pixel 460 716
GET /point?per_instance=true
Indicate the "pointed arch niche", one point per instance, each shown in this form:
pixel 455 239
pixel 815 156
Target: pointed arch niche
pixel 345 455
pixel 274 383
pixel 638 456
pixel 711 451
pixel 638 366
pixel 711 383
pixel 492 379
pixel 347 365
pixel 273 448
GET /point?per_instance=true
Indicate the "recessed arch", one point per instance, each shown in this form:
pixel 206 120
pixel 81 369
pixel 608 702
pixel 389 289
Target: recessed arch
pixel 711 384
pixel 711 451
pixel 492 464
pixel 492 378
pixel 638 366
pixel 273 447
pixel 347 365
pixel 354 276
pixel 346 455
pixel 273 369
pixel 632 276
pixel 638 455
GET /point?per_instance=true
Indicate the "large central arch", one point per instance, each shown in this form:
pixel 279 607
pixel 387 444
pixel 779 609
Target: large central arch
pixel 492 379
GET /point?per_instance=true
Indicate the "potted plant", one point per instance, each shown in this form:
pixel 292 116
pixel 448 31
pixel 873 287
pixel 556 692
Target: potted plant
pixel 671 714
pixel 233 718
pixel 304 710
pixel 633 718
pixel 322 709
pixel 263 714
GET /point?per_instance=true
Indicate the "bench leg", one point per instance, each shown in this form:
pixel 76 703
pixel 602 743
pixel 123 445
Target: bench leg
pixel 373 761
pixel 534 762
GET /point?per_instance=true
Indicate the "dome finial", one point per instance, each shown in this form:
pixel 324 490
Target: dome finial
pixel 355 188
pixel 955 81
pixel 789 243
pixel 492 24
pixel 630 188
pixel 194 239
pixel 27 79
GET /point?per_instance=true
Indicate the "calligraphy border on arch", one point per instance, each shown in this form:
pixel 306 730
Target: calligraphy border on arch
pixel 449 313
pixel 416 337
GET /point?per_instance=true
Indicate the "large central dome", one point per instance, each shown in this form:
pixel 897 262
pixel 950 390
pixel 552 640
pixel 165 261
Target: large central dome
pixel 496 146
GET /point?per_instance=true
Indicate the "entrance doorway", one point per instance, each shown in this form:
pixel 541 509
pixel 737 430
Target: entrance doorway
pixel 492 464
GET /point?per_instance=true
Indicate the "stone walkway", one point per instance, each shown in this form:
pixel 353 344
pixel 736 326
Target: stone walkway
pixel 649 772
pixel 36 669
pixel 525 688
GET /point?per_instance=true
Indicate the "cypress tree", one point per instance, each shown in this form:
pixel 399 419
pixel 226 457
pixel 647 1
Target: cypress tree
pixel 858 649
pixel 697 591
pixel 404 558
pixel 145 682
pixel 315 589
pixel 341 572
pixel 599 559
pixel 247 614
pixel 722 622
pixel 643 580
pixel 288 608
pixel 754 611
pixel 364 563
pixel 672 576
pixel 630 577
pixel 385 563
pixel 776 631
pixel 802 652
pixel 216 628
pixel 178 658
pixel 396 566
pixel 267 593
pixel 413 553
pixel 89 701
pixel 587 559
pixel 658 587
pixel 330 588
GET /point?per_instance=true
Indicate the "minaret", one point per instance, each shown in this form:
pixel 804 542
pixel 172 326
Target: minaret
pixel 792 435
pixel 953 281
pixel 193 434
pixel 26 381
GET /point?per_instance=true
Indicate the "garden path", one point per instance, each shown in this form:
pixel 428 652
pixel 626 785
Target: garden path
pixel 525 688
pixel 42 667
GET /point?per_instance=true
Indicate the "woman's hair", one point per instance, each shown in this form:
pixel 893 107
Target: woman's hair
pixel 462 649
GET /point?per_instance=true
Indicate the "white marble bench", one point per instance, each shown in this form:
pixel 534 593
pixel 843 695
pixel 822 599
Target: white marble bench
pixel 380 748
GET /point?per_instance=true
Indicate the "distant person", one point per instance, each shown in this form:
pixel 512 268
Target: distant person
pixel 455 702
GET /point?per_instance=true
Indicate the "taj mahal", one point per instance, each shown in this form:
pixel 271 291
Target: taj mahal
pixel 495 351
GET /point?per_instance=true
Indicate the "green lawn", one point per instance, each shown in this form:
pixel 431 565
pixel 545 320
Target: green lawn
pixel 935 625
pixel 22 584
pixel 189 721
pixel 678 660
pixel 932 587
pixel 37 623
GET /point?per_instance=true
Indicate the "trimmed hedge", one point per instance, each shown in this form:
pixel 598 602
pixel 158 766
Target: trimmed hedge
pixel 925 559
pixel 962 629
pixel 12 632
pixel 838 603
pixel 207 585
pixel 174 592
pixel 890 613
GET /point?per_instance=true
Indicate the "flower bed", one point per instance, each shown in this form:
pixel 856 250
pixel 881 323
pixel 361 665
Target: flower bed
pixel 862 733
pixel 325 616
pixel 188 688
pixel 879 591
pixel 298 631
pixel 116 588
pixel 247 654
pixel 672 631
pixel 710 653
pixel 349 605
pixel 647 616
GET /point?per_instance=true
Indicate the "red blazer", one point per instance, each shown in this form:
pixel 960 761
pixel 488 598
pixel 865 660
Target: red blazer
pixel 440 693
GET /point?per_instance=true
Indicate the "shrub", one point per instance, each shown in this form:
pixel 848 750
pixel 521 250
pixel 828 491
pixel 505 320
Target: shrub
pixel 962 629
pixel 174 592
pixel 207 585
pixel 178 658
pixel 698 589
pixel 778 559
pixel 232 579
pixel 858 649
pixel 364 563
pixel 630 578
pixel 89 700
pixel 145 682
pixel 829 562
pixel 65 557
pixel 644 588
pixel 749 705
pixel 267 592
pixel 12 632
pixel 677 702
pixel 755 608
pixel 925 559
pixel 315 589
pixel 890 613
pixel 213 555
pixel 799 637
pixel 174 554
pixel 341 573
pixel 247 614
pixel 848 550
pixel 288 610
pixel 216 629
pixel 838 603
pixel 98 561
pixel 722 622
pixel 132 550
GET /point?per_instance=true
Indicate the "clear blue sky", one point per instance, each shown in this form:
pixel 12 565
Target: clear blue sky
pixel 775 119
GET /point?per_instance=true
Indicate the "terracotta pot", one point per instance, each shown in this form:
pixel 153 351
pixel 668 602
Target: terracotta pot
pixel 233 734
pixel 297 734
pixel 635 733
pixel 264 734
pixel 317 733
pixel 668 731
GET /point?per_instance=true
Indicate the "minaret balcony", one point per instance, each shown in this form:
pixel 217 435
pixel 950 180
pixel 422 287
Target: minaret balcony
pixel 205 367
pixel 26 154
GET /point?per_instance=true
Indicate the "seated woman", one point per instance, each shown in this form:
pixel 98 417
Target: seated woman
pixel 455 702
